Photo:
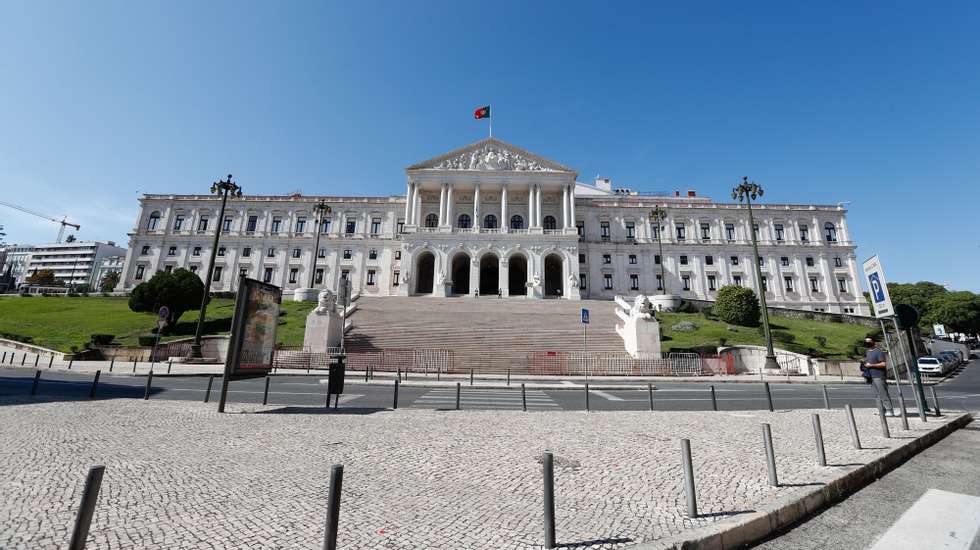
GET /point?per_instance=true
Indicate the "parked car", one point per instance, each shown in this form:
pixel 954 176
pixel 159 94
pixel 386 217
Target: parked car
pixel 950 357
pixel 931 366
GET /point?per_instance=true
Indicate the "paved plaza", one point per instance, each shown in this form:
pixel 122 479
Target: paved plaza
pixel 179 475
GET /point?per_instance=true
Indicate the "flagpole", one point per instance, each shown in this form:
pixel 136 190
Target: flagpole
pixel 491 120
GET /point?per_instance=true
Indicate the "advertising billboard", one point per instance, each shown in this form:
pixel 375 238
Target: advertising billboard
pixel 253 330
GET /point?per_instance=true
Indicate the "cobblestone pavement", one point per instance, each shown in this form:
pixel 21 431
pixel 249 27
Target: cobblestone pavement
pixel 178 475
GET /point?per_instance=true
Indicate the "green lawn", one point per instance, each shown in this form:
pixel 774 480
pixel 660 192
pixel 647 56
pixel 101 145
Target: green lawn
pixel 60 322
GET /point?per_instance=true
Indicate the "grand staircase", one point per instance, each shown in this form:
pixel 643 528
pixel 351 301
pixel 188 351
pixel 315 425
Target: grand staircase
pixel 483 334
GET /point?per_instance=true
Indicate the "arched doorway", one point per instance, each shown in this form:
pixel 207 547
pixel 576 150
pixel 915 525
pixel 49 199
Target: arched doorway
pixel 461 274
pixel 489 274
pixel 424 271
pixel 552 275
pixel 517 275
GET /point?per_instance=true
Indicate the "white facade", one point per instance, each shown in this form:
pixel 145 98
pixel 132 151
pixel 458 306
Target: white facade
pixel 16 259
pixel 73 263
pixel 109 264
pixel 490 218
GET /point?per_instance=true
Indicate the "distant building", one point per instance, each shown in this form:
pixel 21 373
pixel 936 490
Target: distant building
pixel 73 263
pixel 15 258
pixel 109 264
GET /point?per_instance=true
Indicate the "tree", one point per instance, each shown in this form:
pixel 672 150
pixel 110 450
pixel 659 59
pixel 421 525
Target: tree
pixel 959 311
pixel 42 277
pixel 917 295
pixel 737 305
pixel 109 282
pixel 179 290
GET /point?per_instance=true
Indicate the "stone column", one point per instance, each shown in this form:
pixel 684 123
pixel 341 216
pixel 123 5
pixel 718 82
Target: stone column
pixel 571 206
pixel 504 222
pixel 537 206
pixel 504 276
pixel 476 206
pixel 449 205
pixel 530 206
pixel 564 208
pixel 408 203
pixel 417 205
pixel 442 204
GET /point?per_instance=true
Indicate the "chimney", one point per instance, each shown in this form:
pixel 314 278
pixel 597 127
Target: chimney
pixel 677 193
pixel 691 193
pixel 603 183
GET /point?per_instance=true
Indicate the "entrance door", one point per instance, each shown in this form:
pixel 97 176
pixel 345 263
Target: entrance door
pixel 517 275
pixel 461 275
pixel 552 275
pixel 424 273
pixel 489 274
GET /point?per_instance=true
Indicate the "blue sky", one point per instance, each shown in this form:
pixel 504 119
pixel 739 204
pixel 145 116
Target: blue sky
pixel 876 103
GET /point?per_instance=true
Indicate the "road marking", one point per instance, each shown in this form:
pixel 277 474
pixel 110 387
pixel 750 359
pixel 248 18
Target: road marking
pixel 606 396
pixel 939 519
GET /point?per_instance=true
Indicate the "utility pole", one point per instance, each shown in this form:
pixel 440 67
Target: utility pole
pixel 321 209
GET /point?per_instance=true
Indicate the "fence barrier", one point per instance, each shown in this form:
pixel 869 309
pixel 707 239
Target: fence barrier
pixel 609 363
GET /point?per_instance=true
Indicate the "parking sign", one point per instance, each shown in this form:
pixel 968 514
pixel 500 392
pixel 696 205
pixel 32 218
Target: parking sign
pixel 878 287
pixel 585 316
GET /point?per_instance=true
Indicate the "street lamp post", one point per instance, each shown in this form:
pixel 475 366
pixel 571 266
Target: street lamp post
pixel 223 188
pixel 747 191
pixel 657 216
pixel 321 209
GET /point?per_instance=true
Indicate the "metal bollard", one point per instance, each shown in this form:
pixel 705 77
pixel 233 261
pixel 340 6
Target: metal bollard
pixel 36 359
pixel 714 400
pixel 37 379
pixel 265 394
pixel 439 374
pixel 398 373
pixel 884 421
pixel 366 372
pixel 23 359
pixel 471 377
pixel 586 397
pixel 768 396
pixel 692 499
pixel 90 495
pixel 112 362
pixel 333 507
pixel 70 362
pixel 394 404
pixel 826 398
pixel 170 363
pixel 818 437
pixel 207 393
pixel 50 361
pixel 523 398
pixel 903 411
pixel 650 392
pixel 327 404
pixel 548 470
pixel 508 377
pixel 855 439
pixel 770 455
pixel 95 384
pixel 149 382
pixel 457 395
pixel 935 400
pixel 134 365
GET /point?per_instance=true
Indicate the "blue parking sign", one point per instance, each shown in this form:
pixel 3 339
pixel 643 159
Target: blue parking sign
pixel 585 316
pixel 881 303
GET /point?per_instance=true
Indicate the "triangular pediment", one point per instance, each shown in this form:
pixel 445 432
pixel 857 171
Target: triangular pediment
pixel 490 155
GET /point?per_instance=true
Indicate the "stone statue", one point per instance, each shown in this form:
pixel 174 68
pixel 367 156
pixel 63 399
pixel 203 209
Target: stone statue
pixel 536 280
pixel 440 278
pixel 642 308
pixel 327 302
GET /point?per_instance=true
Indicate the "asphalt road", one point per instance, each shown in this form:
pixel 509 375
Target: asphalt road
pixel 959 392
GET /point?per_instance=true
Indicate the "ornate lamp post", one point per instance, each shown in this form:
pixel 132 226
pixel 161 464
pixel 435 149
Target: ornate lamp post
pixel 748 191
pixel 321 208
pixel 657 216
pixel 223 188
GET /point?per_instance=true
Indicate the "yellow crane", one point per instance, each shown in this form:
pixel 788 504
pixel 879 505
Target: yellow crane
pixel 63 221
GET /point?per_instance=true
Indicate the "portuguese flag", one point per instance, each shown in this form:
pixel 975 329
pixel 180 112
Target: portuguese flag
pixel 482 112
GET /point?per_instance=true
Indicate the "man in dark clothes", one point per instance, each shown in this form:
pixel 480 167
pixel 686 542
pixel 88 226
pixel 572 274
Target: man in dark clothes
pixel 875 361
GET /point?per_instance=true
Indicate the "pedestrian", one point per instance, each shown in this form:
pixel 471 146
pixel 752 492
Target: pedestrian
pixel 876 364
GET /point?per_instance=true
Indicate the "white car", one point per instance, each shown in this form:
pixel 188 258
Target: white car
pixel 932 365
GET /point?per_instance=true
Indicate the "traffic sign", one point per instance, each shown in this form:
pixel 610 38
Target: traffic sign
pixel 940 330
pixel 164 312
pixel 875 276
pixel 585 316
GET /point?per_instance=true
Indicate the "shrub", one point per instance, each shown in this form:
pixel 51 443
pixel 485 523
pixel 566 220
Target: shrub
pixel 722 342
pixel 783 336
pixel 103 339
pixel 684 326
pixel 686 307
pixel 179 290
pixel 822 340
pixel 738 306
pixel 146 341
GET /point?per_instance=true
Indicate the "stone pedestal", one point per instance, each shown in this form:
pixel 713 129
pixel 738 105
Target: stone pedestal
pixel 640 330
pixel 323 325
pixel 306 294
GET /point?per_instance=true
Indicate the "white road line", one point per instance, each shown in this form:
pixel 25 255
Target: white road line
pixel 939 519
pixel 606 396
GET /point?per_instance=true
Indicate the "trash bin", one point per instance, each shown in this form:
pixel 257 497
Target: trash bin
pixel 338 369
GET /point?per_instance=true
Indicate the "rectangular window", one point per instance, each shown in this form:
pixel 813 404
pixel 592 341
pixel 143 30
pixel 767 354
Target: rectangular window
pixel 242 272
pixel 344 274
pixel 292 275
pixel 375 226
pixel 581 280
pixel 655 230
pixel 709 260
pixel 178 222
pixel 351 227
pixel 784 261
pixel 606 259
pixel 202 224
pixel 686 280
pixel 660 282
pixel 140 269
pixel 681 231
pixel 221 251
pixel 398 254
pixel 838 262
pixel 226 224
pixel 370 277
pixel 276 224
pixel 400 228
pixel 607 281
pixel 373 254
pixel 705 232
pixel 267 275
pixel 217 273
pixel 683 260
pixel 604 230
pixel 634 281
pixel 656 259
pixel 247 252
pixel 322 253
pixel 630 230
pixel 297 253
pixel 730 231
pixel 271 253
pixel 842 284
pixel 193 269
pixel 633 259
pixel 252 222
pixel 580 228
pixel 172 251
pixel 318 276
pixel 765 284
pixel 395 276
pixel 780 232
pixel 737 280
pixel 711 282
pixel 196 251
pixel 809 261
pixel 814 285
pixel 762 261
pixel 804 233
pixel 733 260
pixel 300 225
pixel 168 268
pixel 755 231
pixel 581 258
pixel 347 254
pixel 789 283
pixel 325 226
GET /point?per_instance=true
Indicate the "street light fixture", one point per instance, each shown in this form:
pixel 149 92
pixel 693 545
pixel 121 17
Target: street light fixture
pixel 321 208
pixel 223 188
pixel 746 192
pixel 657 216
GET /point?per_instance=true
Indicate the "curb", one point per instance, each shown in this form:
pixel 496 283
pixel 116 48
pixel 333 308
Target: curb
pixel 786 512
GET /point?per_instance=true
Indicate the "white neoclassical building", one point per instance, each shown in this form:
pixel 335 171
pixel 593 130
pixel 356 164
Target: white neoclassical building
pixel 491 218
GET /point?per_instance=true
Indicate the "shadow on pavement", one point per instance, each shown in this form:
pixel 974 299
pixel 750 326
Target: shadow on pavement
pixel 587 543
pixel 322 410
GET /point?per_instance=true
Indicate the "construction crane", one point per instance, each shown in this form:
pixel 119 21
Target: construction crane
pixel 63 221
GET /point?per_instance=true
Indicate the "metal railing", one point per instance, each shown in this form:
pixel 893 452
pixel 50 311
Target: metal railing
pixel 575 363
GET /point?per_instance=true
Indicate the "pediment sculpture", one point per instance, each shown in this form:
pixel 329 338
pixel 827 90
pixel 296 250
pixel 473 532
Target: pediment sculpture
pixel 492 157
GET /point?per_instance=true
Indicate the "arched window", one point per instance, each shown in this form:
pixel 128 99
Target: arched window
pixel 516 222
pixel 490 221
pixel 153 222
pixel 464 221
pixel 830 232
pixel 549 222
pixel 432 220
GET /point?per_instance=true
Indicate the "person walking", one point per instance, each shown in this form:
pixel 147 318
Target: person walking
pixel 876 363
